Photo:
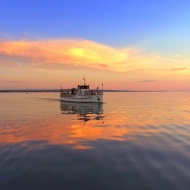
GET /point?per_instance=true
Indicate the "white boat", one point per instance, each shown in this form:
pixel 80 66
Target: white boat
pixel 82 94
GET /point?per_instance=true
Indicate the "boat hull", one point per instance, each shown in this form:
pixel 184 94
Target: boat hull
pixel 87 99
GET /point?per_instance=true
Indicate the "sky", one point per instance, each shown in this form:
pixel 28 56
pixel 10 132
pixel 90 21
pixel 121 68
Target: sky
pixel 124 44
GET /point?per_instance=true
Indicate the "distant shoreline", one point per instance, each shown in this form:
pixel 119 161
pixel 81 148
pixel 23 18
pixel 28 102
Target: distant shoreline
pixel 58 90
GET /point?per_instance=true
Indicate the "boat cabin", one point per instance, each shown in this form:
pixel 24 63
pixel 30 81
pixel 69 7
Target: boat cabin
pixel 83 86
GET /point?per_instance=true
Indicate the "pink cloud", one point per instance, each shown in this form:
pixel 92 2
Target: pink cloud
pixel 71 53
pixel 64 51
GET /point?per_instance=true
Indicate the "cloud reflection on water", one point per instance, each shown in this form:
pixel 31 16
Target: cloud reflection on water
pixel 121 118
pixel 142 137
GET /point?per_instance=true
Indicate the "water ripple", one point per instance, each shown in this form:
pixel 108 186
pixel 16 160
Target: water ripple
pixel 140 141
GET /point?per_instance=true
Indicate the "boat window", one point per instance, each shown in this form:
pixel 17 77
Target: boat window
pixel 83 86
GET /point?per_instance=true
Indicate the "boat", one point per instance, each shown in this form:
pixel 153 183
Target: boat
pixel 82 93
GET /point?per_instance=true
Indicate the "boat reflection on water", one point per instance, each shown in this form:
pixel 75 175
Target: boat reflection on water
pixel 83 111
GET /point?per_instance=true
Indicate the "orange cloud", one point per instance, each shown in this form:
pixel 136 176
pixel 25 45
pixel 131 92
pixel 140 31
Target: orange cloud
pixel 65 51
pixel 56 53
pixel 76 52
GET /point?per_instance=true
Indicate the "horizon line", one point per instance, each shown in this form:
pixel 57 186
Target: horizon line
pixel 105 90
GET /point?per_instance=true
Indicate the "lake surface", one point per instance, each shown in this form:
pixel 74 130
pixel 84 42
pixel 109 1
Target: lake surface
pixel 134 140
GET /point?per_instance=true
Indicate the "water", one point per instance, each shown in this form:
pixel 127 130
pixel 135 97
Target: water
pixel 132 141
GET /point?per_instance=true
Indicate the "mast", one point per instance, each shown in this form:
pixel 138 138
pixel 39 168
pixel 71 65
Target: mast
pixel 84 81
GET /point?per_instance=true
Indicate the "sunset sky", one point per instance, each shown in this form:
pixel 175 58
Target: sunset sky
pixel 125 44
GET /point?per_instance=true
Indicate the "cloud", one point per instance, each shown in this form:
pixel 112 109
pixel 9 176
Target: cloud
pixel 147 81
pixel 178 69
pixel 65 51
pixel 81 53
pixel 59 53
pixel 9 81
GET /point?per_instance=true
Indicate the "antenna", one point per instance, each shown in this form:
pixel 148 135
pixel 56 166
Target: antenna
pixel 84 80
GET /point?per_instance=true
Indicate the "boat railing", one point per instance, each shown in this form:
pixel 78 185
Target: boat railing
pixel 67 92
pixel 100 92
pixel 71 92
pixel 93 92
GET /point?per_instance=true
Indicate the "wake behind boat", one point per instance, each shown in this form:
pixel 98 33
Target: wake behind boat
pixel 82 94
